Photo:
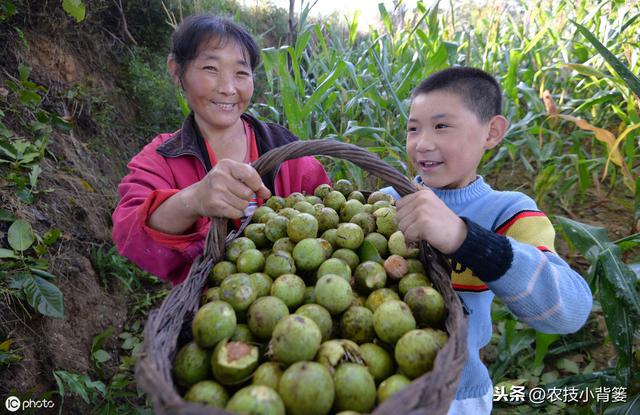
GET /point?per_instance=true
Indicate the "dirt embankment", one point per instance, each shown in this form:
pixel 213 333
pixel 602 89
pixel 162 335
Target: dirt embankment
pixel 82 169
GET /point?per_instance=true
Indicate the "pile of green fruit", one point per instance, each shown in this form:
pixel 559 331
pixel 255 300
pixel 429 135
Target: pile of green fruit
pixel 320 307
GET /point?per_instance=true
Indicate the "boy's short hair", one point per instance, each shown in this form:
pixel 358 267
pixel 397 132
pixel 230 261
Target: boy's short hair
pixel 479 90
pixel 197 30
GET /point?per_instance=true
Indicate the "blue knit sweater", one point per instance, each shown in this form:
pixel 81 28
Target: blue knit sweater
pixel 508 252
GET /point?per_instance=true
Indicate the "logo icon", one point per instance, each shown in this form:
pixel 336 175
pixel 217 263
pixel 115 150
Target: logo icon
pixel 12 403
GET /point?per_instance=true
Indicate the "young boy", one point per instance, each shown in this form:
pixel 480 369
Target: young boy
pixel 499 243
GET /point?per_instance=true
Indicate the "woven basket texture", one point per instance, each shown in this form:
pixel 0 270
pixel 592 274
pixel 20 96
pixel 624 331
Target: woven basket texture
pixel 169 325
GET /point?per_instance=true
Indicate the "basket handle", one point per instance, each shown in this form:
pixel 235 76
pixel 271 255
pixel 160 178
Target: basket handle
pixel 273 158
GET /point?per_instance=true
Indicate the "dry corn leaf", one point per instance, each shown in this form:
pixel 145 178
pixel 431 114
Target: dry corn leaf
pixel 612 143
pixel 549 104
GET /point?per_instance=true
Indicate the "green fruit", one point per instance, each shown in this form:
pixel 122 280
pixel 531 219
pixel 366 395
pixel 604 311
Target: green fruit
pixel 288 213
pixel 212 294
pixel 275 202
pixel 279 263
pixel 242 334
pixel 309 295
pixel 238 246
pixel 260 213
pixel 222 270
pixel 239 291
pixel 356 324
pixel 349 235
pixel 379 296
pixel 355 388
pixel 379 242
pixel 289 288
pixel 334 352
pixel 256 400
pixel 398 246
pixel 313 200
pixel 357 196
pixel 412 280
pixel 264 314
pixel 268 374
pixel 302 226
pixel 370 276
pixel 295 338
pixel 366 221
pixel 327 219
pixel 320 316
pixel 335 266
pixel 191 364
pixel 386 221
pixel 330 236
pixel 378 361
pixel 380 204
pixel 416 351
pixel 415 266
pixel 262 283
pixel 334 200
pixel 292 199
pixel 250 261
pixel 304 207
pixel 343 186
pixel 283 244
pixel 378 195
pixel 308 254
pixel 233 362
pixel 209 393
pixel 333 293
pixel 427 306
pixel 322 190
pixel 213 322
pixel 440 336
pixel 391 385
pixel 350 209
pixel 307 389
pixel 276 228
pixel 391 320
pixel 255 232
pixel 326 246
pixel 347 255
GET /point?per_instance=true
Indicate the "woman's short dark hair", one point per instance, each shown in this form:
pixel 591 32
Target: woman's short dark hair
pixel 197 30
pixel 479 90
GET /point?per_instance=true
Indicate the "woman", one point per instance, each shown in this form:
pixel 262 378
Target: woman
pixel 180 180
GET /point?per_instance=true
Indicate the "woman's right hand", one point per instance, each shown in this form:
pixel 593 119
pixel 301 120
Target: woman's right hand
pixel 226 190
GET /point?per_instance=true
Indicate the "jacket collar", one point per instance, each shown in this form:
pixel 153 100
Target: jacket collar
pixel 186 140
pixel 183 142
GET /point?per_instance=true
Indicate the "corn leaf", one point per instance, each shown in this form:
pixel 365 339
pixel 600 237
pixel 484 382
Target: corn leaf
pixel 621 69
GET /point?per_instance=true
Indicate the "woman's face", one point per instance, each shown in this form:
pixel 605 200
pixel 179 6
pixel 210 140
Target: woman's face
pixel 218 85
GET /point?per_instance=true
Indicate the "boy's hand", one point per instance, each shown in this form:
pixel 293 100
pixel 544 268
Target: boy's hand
pixel 423 216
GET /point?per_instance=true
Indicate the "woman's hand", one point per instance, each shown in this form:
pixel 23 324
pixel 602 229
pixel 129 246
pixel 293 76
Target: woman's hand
pixel 226 190
pixel 423 216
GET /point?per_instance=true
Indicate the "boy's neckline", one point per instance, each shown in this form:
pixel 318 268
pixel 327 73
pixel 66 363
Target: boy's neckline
pixel 465 194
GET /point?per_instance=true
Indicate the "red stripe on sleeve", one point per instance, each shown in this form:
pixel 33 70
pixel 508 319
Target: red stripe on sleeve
pixel 470 287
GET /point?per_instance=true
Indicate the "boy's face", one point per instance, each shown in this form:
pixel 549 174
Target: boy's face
pixel 446 140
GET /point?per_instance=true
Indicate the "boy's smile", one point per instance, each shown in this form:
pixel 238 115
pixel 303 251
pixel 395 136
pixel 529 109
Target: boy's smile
pixel 446 140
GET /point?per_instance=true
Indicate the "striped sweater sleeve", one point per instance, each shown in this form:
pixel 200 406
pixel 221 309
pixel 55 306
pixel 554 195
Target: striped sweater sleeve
pixel 518 263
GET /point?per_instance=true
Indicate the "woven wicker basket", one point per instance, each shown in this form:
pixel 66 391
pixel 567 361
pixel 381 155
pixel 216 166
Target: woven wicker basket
pixel 432 393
